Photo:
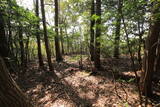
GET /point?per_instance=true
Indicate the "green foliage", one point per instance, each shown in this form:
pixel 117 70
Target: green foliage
pixel 126 104
pixel 95 17
pixel 74 14
pixel 121 80
pixel 131 80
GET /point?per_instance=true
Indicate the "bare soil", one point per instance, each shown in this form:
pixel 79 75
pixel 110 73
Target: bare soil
pixel 113 86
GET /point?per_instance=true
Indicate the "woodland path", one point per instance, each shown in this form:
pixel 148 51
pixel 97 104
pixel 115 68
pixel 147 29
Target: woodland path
pixel 80 89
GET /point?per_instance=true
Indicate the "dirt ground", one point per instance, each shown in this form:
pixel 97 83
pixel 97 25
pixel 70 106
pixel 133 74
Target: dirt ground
pixel 113 86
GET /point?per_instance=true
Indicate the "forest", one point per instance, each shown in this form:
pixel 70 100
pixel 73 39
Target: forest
pixel 79 53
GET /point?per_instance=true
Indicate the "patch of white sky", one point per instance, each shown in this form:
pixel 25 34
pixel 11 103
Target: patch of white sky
pixel 29 4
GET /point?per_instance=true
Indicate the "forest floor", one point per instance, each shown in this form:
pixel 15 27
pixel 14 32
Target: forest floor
pixel 114 86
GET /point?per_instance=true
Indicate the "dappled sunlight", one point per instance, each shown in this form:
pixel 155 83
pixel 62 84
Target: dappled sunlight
pixel 79 53
pixel 78 87
pixel 62 103
pixel 46 98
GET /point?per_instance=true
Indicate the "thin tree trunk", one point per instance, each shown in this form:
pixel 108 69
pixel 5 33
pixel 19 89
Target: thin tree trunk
pixel 97 62
pixel 141 32
pixel 41 64
pixel 3 42
pixel 68 46
pixel 10 44
pixel 16 53
pixel 132 58
pixel 62 41
pixel 48 51
pixel 61 30
pixel 21 44
pixel 118 27
pixel 92 31
pixel 27 50
pixel 57 46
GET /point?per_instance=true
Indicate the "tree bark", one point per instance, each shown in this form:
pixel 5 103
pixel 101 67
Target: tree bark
pixel 48 51
pixel 61 29
pixel 141 32
pixel 68 45
pixel 27 50
pixel 97 62
pixel 10 93
pixel 21 44
pixel 150 53
pixel 62 41
pixel 41 64
pixel 118 27
pixel 10 43
pixel 57 46
pixel 92 31
pixel 3 41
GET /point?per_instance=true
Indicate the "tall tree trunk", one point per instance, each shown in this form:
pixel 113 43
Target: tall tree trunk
pixel 97 62
pixel 62 41
pixel 68 45
pixel 118 27
pixel 57 46
pixel 21 44
pixel 141 32
pixel 27 50
pixel 48 51
pixel 92 31
pixel 150 52
pixel 4 46
pixel 41 64
pixel 61 30
pixel 10 93
pixel 10 45
pixel 3 41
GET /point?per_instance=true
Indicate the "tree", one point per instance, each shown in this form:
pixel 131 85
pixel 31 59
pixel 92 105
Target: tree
pixel 10 46
pixel 57 46
pixel 97 62
pixel 10 93
pixel 3 41
pixel 48 51
pixel 92 23
pixel 117 32
pixel 151 52
pixel 21 44
pixel 61 22
pixel 38 35
pixel 62 41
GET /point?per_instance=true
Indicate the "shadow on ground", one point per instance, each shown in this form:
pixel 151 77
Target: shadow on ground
pixel 77 88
